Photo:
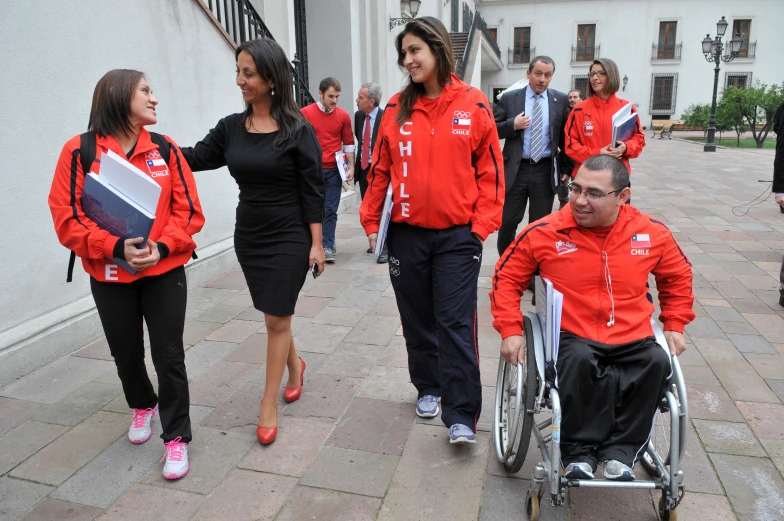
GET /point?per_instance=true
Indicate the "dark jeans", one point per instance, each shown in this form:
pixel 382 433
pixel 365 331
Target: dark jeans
pixel 533 184
pixel 434 274
pixel 160 302
pixel 333 186
pixel 609 396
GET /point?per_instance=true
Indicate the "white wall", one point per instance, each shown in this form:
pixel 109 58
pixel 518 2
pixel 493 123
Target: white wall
pixel 330 48
pixel 626 31
pixel 53 54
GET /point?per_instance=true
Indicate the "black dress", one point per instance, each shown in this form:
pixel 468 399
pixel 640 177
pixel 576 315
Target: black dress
pixel 281 191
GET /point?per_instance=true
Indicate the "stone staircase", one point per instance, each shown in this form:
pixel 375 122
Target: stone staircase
pixel 459 44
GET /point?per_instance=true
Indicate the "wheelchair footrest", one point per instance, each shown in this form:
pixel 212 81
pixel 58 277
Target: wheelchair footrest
pixel 608 483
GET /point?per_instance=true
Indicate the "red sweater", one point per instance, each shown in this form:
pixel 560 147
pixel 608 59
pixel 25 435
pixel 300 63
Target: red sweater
pixel 333 130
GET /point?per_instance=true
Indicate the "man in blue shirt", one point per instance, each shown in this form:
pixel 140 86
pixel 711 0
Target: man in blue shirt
pixel 531 120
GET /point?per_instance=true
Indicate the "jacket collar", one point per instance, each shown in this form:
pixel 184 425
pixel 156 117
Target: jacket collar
pixel 144 143
pixel 609 102
pixel 450 92
pixel 565 220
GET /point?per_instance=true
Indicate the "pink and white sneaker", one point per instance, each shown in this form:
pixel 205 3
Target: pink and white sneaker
pixel 176 456
pixel 141 430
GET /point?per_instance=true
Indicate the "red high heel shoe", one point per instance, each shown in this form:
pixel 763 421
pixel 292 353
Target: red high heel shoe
pixel 292 395
pixel 267 436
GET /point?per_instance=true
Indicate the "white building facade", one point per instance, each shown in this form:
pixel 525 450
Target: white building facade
pixel 656 44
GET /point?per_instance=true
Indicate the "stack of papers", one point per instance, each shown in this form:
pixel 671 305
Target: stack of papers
pixel 122 200
pixel 551 308
pixel 623 123
pixel 342 161
pixel 383 225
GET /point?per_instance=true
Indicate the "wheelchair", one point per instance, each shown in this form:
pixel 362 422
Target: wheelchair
pixel 520 394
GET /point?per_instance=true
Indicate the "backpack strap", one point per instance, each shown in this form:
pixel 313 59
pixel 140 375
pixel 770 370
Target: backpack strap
pixel 87 146
pixel 163 146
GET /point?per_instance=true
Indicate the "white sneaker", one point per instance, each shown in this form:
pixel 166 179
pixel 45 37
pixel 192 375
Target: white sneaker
pixel 140 430
pixel 176 456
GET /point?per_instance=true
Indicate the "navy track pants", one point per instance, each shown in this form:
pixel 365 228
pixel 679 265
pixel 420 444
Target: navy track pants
pixel 434 274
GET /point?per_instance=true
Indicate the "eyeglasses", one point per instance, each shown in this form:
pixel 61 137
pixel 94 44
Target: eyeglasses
pixel 601 74
pixel 593 195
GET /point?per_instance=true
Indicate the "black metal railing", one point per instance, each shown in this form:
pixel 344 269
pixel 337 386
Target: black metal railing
pixel 585 53
pixel 468 18
pixel 460 67
pixel 242 23
pixel 521 55
pixel 482 25
pixel 666 51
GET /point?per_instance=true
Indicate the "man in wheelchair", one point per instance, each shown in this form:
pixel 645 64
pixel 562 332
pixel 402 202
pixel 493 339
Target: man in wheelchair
pixel 611 374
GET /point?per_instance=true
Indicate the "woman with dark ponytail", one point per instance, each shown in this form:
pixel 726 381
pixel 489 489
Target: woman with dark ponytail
pixel 438 149
pixel 273 155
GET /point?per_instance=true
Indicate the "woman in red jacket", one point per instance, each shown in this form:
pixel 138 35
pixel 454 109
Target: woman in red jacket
pixel 589 127
pixel 439 152
pixel 156 292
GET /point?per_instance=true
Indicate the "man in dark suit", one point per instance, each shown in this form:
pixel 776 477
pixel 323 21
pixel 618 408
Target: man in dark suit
pixel 367 120
pixel 532 121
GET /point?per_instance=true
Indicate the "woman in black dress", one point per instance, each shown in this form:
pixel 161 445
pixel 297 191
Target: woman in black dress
pixel 273 154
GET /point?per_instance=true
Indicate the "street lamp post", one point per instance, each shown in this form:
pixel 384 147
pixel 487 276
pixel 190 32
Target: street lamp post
pixel 408 10
pixel 712 49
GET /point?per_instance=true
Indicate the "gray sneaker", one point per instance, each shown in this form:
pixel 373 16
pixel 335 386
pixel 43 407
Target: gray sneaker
pixel 427 406
pixel 578 470
pixel 329 254
pixel 459 433
pixel 617 471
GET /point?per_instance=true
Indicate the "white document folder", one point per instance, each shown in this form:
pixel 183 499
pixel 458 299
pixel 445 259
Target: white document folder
pixel 130 182
pixel 383 225
pixel 550 304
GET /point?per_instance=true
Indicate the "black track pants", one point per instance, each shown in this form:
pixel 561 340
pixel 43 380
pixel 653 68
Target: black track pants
pixel 160 302
pixel 434 274
pixel 609 396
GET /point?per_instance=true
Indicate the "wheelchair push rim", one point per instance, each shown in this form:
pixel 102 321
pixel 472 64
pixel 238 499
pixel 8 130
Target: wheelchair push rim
pixel 515 395
pixel 660 434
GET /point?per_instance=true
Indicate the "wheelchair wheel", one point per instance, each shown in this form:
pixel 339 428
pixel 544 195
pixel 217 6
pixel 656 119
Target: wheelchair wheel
pixel 664 514
pixel 532 507
pixel 514 415
pixel 660 435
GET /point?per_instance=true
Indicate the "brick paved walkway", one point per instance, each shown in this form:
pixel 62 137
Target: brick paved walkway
pixel 352 447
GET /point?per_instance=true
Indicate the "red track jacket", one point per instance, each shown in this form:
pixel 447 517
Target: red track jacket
pixel 445 167
pixel 569 256
pixel 177 217
pixel 589 129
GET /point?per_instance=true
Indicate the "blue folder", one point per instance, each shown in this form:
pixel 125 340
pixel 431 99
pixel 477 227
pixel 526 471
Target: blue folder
pixel 115 214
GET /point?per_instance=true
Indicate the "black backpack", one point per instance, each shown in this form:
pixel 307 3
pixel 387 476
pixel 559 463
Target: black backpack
pixel 87 145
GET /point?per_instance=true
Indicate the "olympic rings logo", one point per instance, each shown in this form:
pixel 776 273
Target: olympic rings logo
pixel 462 115
pixel 394 268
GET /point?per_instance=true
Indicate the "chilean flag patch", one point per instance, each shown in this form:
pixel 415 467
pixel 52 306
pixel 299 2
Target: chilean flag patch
pixel 461 123
pixel 156 165
pixel 641 240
